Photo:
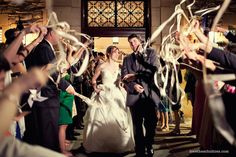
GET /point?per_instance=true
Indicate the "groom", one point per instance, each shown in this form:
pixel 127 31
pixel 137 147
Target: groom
pixel 143 96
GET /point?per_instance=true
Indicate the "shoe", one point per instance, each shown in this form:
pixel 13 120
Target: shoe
pixel 165 129
pixel 150 152
pixel 175 132
pixel 163 126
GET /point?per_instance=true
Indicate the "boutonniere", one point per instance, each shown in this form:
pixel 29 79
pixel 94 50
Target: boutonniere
pixel 35 96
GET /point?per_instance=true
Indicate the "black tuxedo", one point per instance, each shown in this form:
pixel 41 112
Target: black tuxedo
pixel 231 37
pixel 226 59
pixel 144 66
pixel 142 106
pixel 42 124
pixel 41 55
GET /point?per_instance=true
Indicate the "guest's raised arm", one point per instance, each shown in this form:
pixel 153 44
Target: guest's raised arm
pixel 16 52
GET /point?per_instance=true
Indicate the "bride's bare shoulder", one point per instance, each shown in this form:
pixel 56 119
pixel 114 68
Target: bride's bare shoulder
pixel 102 66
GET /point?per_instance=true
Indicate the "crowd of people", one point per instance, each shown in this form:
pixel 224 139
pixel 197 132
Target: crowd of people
pixel 218 61
pixel 121 114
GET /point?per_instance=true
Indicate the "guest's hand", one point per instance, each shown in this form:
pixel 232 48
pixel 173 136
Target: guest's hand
pixel 220 29
pixel 219 85
pixel 20 115
pixel 208 63
pixel 195 26
pixel 138 88
pixel 43 31
pixel 188 48
pixel 31 29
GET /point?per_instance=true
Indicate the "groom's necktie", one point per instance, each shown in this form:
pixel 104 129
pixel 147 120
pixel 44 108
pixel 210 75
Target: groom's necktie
pixel 138 59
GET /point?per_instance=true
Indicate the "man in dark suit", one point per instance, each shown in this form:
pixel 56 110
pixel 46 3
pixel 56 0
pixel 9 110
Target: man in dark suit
pixel 230 36
pixel 142 94
pixel 42 124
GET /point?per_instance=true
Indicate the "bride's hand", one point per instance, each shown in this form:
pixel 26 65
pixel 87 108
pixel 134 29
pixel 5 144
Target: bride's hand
pixel 97 90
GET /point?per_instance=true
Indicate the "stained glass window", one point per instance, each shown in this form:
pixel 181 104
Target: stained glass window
pixel 115 13
pixel 101 13
pixel 130 14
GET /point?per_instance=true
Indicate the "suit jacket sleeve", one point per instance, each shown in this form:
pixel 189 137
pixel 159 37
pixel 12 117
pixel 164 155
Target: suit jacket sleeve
pixel 226 59
pixel 124 71
pixel 154 60
pixel 231 37
pixel 62 84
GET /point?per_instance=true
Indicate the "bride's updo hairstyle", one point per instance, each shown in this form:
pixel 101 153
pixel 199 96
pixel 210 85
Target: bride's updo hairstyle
pixel 109 50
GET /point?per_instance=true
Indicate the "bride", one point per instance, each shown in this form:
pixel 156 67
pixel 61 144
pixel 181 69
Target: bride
pixel 108 123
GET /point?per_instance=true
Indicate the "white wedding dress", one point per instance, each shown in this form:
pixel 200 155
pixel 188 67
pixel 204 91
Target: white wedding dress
pixel 108 123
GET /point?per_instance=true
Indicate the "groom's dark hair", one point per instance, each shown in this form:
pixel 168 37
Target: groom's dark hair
pixel 131 36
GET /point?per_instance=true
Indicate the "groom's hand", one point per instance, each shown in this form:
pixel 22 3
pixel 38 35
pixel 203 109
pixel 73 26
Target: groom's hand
pixel 129 77
pixel 138 88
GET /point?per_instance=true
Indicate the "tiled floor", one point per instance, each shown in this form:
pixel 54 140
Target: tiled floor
pixel 166 145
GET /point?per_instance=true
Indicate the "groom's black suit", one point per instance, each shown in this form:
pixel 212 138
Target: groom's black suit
pixel 142 106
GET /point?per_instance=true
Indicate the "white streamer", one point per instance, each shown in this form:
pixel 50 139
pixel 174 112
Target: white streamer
pixel 207 11
pixel 64 32
pixel 190 8
pixel 215 101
